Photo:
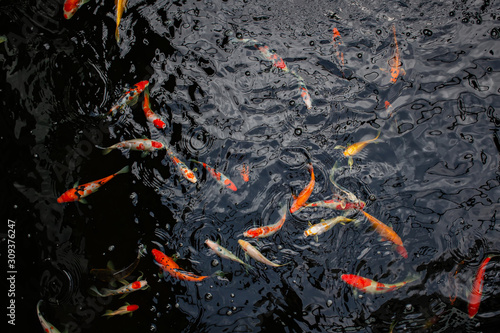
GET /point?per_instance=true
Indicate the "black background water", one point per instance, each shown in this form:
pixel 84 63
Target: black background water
pixel 433 176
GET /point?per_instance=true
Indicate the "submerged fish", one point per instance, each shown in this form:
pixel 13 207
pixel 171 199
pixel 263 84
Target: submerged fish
pixel 477 288
pixel 355 148
pixel 126 309
pixel 387 234
pixel 370 286
pixel 220 177
pixel 129 97
pixel 254 253
pixel 323 226
pixel 267 230
pixel 125 290
pixel 182 167
pixel 225 253
pixel 168 265
pixel 71 6
pixel 144 145
pixel 337 203
pixel 304 195
pixel 79 192
pixel 47 327
pixel 111 275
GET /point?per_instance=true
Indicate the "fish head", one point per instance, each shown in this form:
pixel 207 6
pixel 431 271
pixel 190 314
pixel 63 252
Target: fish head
pixel 132 307
pixel 142 85
pixel 70 9
pixel 160 124
pixel 67 196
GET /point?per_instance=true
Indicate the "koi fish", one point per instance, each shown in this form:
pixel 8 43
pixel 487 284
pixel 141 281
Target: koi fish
pixel 337 42
pixel 254 253
pixel 371 286
pixel 323 226
pixel 245 172
pixel 183 169
pixel 267 230
pixel 71 6
pixel 387 234
pixel 221 178
pixel 111 275
pixel 337 204
pixel 79 192
pixel 150 115
pixel 396 67
pixel 225 253
pixel 121 6
pixel 130 97
pixel 3 39
pixel 168 265
pixel 144 145
pixel 477 288
pixel 305 194
pixel 268 54
pixel 350 196
pixel 126 309
pixel 47 327
pixel 355 148
pixel 125 290
pixel 304 93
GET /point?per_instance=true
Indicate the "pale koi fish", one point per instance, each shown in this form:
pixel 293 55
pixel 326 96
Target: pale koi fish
pixel 79 192
pixel 477 287
pixel 125 290
pixel 144 145
pixel 126 309
pixel 71 6
pixel 220 177
pixel 111 275
pixel 150 115
pixel 350 196
pixel 254 253
pixel 47 327
pixel 355 148
pixel 305 194
pixel 320 228
pixel 130 97
pixel 121 6
pixel 387 234
pixel 183 169
pixel 225 253
pixel 372 287
pixel 267 230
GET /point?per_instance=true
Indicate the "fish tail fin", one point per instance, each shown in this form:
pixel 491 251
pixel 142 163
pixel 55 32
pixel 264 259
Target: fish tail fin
pixel 125 169
pixel 93 290
pixel 105 151
pixel 117 34
pixel 108 313
pixel 378 134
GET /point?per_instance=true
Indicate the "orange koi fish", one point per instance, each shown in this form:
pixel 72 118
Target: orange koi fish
pixel 245 172
pixel 323 226
pixel 254 253
pixel 126 309
pixel 121 6
pixel 355 148
pixel 387 234
pixel 130 97
pixel 144 145
pixel 183 169
pixel 79 192
pixel 337 204
pixel 265 231
pixel 221 178
pixel 71 6
pixel 477 288
pixel 337 42
pixel 47 327
pixel 150 115
pixel 396 67
pixel 305 194
pixel 371 286
pixel 125 290
pixel 168 265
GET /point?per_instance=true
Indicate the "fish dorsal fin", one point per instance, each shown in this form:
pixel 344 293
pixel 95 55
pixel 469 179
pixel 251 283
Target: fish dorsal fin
pixel 75 185
pixel 123 281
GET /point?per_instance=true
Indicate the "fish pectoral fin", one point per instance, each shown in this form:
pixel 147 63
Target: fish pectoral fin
pixel 316 239
pixel 123 296
pixel 339 147
pixel 144 154
pixel 83 201
pixel 75 185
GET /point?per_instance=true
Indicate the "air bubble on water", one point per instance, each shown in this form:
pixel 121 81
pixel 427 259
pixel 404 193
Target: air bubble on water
pixel 234 308
pixel 208 296
pixel 111 248
pixel 152 328
pixel 168 307
pixel 229 312
pixel 409 307
pixel 232 295
pixel 15 206
pixel 329 303
pixel 360 296
pixel 280 247
pixel 215 262
pixel 177 305
pixel 153 308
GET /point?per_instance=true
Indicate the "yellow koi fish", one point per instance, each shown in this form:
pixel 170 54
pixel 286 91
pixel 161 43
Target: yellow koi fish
pixel 355 148
pixel 121 6
pixel 387 234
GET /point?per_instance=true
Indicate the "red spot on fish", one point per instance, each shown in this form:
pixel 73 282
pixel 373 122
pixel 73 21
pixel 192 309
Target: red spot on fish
pixel 229 184
pixel 380 286
pixel 140 146
pixel 157 144
pixel 132 307
pixel 387 104
pixel 136 285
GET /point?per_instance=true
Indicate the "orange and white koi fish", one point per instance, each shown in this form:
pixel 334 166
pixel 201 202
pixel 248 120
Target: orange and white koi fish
pixel 396 60
pixel 337 42
pixel 47 327
pixel 305 194
pixel 245 173
pixel 150 115
pixel 126 309
pixel 323 226
pixel 125 290
pixel 144 145
pixel 168 265
pixel 183 169
pixel 387 234
pixel 121 6
pixel 355 148
pixel 71 6
pixel 370 286
pixel 221 178
pixel 267 230
pixel 79 192
pixel 267 53
pixel 477 287
pixel 254 253
pixel 338 203
pixel 225 253
pixel 130 97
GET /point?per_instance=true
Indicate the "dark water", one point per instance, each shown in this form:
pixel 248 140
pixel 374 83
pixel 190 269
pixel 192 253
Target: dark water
pixel 433 175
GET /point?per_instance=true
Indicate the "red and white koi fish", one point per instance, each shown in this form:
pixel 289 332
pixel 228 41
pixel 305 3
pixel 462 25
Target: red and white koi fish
pixel 47 327
pixel 126 309
pixel 355 148
pixel 267 230
pixel 150 115
pixel 125 290
pixel 121 6
pixel 221 178
pixel 338 204
pixel 477 287
pixel 370 286
pixel 144 145
pixel 254 253
pixel 71 6
pixel 387 234
pixel 323 226
pixel 225 253
pixel 79 192
pixel 305 194
pixel 268 54
pixel 168 265
pixel 183 169
pixel 130 97
pixel 337 42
